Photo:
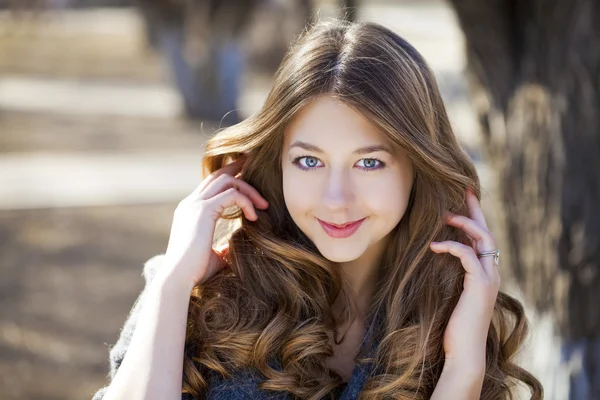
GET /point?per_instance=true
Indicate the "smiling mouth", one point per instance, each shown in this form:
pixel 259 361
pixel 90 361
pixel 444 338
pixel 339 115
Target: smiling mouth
pixel 341 231
pixel 341 225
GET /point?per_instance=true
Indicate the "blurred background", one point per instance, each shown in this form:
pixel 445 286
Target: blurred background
pixel 105 106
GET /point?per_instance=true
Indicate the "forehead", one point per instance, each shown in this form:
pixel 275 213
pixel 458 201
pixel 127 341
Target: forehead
pixel 329 121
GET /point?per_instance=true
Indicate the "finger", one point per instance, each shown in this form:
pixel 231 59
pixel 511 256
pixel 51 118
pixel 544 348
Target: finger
pixel 475 210
pixel 227 181
pixel 483 237
pixel 228 198
pixel 232 168
pixel 467 256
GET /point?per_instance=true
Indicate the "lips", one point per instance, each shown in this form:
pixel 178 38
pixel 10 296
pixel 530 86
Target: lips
pixel 342 225
pixel 341 231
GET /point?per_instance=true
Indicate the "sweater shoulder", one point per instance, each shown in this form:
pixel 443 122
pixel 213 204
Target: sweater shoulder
pixel 151 266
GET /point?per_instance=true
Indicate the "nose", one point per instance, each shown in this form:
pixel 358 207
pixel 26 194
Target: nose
pixel 338 192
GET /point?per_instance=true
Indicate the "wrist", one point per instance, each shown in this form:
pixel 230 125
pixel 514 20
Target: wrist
pixel 469 369
pixel 170 282
pixel 460 379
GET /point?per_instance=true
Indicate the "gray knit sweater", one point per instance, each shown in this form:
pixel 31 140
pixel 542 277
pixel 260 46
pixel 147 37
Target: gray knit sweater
pixel 241 386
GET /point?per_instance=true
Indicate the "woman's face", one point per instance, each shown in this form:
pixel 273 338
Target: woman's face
pixel 336 170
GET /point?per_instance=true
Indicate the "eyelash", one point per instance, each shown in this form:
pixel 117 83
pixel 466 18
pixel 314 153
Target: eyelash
pixel 296 162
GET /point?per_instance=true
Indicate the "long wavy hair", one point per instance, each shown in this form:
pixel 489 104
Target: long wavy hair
pixel 275 300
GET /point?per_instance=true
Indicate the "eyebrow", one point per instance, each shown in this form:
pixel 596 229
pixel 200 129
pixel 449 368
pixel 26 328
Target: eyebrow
pixel 362 150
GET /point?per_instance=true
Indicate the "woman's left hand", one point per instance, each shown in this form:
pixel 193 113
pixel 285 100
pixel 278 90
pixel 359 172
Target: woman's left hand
pixel 466 334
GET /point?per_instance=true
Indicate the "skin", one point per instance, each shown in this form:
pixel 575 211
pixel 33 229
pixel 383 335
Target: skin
pixel 336 185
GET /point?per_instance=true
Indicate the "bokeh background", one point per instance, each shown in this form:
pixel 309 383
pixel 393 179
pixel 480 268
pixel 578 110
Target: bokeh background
pixel 105 106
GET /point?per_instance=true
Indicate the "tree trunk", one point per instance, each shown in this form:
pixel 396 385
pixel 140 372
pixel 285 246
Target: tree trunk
pixel 534 67
pixel 200 41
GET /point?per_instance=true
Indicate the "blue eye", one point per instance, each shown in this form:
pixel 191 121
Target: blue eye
pixel 372 163
pixel 309 162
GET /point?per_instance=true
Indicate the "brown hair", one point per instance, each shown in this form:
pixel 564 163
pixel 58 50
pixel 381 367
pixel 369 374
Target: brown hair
pixel 275 302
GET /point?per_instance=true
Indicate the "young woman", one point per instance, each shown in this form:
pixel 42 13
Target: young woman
pixel 361 265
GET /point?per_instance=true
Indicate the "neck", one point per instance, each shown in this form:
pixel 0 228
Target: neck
pixel 360 277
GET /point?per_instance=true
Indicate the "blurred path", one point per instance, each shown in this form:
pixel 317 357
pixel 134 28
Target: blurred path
pixel 75 180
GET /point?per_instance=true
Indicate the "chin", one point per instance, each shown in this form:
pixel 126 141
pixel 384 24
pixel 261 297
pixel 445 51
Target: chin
pixel 340 253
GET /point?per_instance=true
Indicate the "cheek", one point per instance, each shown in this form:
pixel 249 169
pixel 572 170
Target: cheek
pixel 295 192
pixel 389 198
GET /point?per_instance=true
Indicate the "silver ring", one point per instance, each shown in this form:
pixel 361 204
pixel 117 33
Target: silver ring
pixel 495 253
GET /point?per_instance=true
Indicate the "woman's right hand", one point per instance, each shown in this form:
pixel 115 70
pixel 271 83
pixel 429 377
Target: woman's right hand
pixel 190 256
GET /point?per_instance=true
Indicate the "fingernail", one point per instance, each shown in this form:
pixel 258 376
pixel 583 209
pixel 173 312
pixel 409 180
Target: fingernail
pixel 434 243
